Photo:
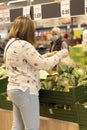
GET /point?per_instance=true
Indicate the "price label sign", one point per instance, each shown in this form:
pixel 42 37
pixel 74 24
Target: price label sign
pixel 37 12
pixel 26 11
pixel 85 6
pixel 6 15
pixel 65 8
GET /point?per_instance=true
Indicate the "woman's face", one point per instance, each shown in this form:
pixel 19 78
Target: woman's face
pixel 55 33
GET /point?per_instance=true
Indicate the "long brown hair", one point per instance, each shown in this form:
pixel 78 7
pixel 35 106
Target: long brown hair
pixel 23 28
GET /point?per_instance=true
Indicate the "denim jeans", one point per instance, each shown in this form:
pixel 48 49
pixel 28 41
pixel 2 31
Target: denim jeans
pixel 25 110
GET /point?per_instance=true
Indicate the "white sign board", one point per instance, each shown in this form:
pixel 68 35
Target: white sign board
pixel 6 16
pixel 37 12
pixel 85 6
pixel 26 11
pixel 65 8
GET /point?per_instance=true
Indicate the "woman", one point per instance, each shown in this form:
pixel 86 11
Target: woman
pixel 58 43
pixel 23 63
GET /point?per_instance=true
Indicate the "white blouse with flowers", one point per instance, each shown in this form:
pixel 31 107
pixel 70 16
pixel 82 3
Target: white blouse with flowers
pixel 23 63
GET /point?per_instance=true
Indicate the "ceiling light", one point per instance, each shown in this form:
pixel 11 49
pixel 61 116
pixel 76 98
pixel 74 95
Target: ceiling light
pixel 15 1
pixel 1 3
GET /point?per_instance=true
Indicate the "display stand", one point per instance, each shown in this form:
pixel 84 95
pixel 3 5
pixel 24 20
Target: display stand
pixel 45 123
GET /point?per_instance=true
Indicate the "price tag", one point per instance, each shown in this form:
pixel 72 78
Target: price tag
pixel 26 11
pixel 85 6
pixel 65 8
pixel 37 12
pixel 6 15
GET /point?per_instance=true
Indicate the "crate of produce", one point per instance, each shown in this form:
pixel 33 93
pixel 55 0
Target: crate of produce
pixel 59 111
pixel 82 113
pixel 74 95
pixel 3 85
pixel 62 105
pixel 5 104
pixel 61 91
pixel 67 86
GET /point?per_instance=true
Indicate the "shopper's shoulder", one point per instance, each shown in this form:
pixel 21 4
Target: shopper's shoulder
pixel 25 43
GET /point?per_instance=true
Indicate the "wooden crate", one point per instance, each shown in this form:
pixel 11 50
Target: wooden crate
pixel 82 115
pixel 3 85
pixel 59 111
pixel 74 95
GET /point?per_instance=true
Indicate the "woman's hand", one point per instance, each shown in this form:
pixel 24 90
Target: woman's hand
pixel 64 53
pixel 49 54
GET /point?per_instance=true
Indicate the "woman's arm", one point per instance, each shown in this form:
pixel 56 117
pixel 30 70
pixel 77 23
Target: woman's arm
pixel 38 61
pixel 49 54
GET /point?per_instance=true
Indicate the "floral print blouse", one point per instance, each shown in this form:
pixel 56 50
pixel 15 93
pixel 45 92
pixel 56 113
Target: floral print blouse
pixel 23 63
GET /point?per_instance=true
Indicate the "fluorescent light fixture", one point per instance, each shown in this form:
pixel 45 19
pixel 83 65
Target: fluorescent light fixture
pixel 1 3
pixel 17 1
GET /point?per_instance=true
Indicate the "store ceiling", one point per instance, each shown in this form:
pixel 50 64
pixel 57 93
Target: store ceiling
pixel 18 3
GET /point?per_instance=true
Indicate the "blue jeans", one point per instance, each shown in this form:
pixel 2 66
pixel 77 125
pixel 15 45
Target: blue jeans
pixel 25 110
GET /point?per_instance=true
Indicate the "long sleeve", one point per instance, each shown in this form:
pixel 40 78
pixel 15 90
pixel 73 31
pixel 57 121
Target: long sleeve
pixel 23 63
pixel 38 61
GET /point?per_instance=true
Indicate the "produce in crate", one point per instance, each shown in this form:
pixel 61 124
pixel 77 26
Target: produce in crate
pixel 67 76
pixel 66 64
